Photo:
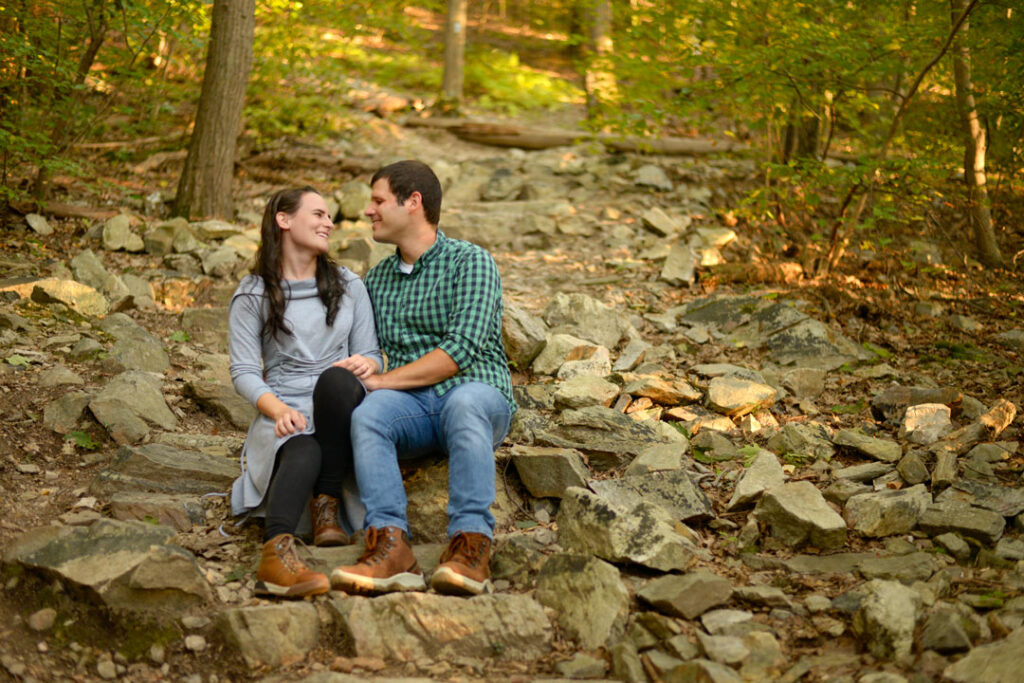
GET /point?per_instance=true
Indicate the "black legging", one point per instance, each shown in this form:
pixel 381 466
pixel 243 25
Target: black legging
pixel 315 462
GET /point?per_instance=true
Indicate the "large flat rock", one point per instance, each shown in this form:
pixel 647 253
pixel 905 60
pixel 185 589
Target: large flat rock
pixel 164 469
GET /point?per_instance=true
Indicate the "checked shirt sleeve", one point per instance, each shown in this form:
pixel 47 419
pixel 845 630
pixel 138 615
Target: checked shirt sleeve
pixel 476 304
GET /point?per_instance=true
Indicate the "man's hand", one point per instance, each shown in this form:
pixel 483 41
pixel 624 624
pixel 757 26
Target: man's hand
pixel 288 422
pixel 431 368
pixel 360 366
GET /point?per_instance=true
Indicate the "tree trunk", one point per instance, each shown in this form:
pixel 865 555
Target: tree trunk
pixel 975 145
pixel 205 185
pixel 599 76
pixel 454 56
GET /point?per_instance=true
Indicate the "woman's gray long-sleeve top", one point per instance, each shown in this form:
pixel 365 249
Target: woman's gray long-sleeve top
pixel 288 366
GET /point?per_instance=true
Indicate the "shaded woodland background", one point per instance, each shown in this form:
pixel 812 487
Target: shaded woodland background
pixel 873 121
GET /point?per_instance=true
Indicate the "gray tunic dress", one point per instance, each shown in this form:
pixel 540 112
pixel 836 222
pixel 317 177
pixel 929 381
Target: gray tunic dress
pixel 288 366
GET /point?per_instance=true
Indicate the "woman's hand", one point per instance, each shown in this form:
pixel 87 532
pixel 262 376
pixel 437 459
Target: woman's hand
pixel 288 422
pixel 360 366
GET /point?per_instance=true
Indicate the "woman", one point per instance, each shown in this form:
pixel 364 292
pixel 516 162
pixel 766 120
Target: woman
pixel 301 339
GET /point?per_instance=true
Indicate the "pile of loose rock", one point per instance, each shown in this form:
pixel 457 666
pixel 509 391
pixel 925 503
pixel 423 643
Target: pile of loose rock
pixel 661 519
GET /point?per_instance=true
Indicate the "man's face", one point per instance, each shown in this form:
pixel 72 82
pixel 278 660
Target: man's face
pixel 390 219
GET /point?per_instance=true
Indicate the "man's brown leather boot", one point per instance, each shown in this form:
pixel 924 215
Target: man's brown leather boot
pixel 386 565
pixel 465 566
pixel 283 574
pixel 323 512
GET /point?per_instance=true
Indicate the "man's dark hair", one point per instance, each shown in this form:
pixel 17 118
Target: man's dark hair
pixel 406 177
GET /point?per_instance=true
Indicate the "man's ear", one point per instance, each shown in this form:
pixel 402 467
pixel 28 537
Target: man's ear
pixel 414 201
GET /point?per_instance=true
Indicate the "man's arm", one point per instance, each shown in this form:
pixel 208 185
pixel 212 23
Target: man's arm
pixel 436 366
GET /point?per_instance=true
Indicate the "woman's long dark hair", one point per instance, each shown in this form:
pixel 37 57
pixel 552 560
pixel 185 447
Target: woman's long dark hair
pixel 329 284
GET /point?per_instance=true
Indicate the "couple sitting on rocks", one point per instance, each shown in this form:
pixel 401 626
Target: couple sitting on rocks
pixel 304 350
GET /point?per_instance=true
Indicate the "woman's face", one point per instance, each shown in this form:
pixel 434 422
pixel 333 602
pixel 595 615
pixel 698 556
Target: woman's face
pixel 309 228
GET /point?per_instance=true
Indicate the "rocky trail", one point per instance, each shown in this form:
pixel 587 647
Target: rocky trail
pixel 718 472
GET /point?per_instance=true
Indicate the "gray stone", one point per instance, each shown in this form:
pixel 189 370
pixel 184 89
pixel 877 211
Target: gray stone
pixel 106 669
pixel 503 185
pixel 703 670
pixel 215 229
pixel 798 514
pixel 598 364
pixel 585 390
pixel 673 491
pixel 712 370
pixel 804 382
pixel 39 224
pixel 607 436
pixel 589 524
pixel 664 392
pixel 965 323
pixel 117 235
pixel 912 468
pixel 861 443
pixel 767 596
pixel 85 350
pixel 66 413
pixel 176 511
pixel 353 198
pixel 164 469
pixel 557 349
pixel 722 621
pixel 134 347
pixel 811 343
pixel 524 335
pixel 869 471
pixel 219 262
pixel 983 525
pixel 582 666
pixel 626 663
pixel 1010 549
pixel 632 355
pixel 89 270
pixel 222 400
pixel 403 627
pixel 650 175
pixel 588 596
pixel 587 318
pixel 764 473
pixel 80 298
pixel 687 595
pixel 548 472
pixel 59 375
pixel 42 620
pixel 888 512
pixel 886 618
pixel 809 440
pixel 954 545
pixel 1013 339
pixel 123 565
pixel 159 239
pixel 271 635
pixel 943 632
pixel 904 568
pixel 129 401
pixel 736 397
pixel 723 649
pixel 926 423
pixel 680 267
pixel 208 326
pixel 658 458
pixel 997 662
pixel 1006 500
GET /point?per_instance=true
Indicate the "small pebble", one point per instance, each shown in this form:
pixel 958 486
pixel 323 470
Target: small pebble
pixel 195 643
pixel 42 646
pixel 106 669
pixel 195 623
pixel 157 653
pixel 43 619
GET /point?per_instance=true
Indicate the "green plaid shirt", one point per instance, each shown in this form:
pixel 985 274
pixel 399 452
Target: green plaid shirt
pixel 450 301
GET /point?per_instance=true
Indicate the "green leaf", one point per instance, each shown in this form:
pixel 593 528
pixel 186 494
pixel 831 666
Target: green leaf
pixel 82 440
pixel 179 336
pixel 877 350
pixel 18 361
pixel 852 409
pixel 236 574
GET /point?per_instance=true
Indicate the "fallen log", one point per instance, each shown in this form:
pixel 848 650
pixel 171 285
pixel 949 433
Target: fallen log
pixel 505 135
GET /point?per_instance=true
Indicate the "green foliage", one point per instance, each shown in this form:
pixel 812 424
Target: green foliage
pixel 877 350
pixel 236 574
pixel 852 409
pixel 965 351
pixel 179 336
pixel 82 440
pixel 18 361
pixel 501 82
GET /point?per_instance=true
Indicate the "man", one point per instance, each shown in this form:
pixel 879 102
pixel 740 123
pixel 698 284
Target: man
pixel 437 303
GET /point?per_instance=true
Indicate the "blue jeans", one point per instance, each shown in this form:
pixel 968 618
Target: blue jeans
pixel 467 424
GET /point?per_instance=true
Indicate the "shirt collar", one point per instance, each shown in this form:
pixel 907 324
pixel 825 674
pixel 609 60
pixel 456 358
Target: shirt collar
pixel 436 248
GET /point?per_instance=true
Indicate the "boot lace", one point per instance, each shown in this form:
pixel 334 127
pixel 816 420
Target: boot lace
pixel 467 549
pixel 288 555
pixel 378 543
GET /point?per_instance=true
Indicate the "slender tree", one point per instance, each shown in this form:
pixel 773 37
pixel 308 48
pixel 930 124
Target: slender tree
pixel 974 144
pixel 205 185
pixel 598 73
pixel 454 55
